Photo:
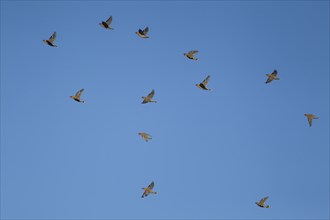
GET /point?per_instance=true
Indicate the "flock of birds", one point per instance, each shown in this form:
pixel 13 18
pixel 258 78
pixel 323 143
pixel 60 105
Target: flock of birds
pixel 149 98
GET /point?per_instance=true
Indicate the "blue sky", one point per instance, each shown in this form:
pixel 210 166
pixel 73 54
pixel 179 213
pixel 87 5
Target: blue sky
pixel 213 153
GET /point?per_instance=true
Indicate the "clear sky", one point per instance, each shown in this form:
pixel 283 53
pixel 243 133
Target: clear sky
pixel 213 153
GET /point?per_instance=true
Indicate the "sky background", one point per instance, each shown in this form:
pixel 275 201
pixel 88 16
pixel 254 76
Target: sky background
pixel 213 153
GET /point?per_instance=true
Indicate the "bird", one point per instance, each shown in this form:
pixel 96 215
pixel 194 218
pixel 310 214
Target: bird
pixel 310 118
pixel 145 136
pixel 148 190
pixel 261 203
pixel 51 40
pixel 191 54
pixel 149 97
pixel 106 24
pixel 76 97
pixel 143 33
pixel 272 76
pixel 203 84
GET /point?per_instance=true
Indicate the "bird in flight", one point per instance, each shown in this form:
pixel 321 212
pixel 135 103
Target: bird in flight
pixel 76 97
pixel 191 54
pixel 310 118
pixel 149 97
pixel 261 203
pixel 143 33
pixel 203 84
pixel 145 136
pixel 106 24
pixel 51 40
pixel 148 190
pixel 272 76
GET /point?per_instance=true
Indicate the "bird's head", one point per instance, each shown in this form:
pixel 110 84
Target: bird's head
pixel 267 206
pixel 71 96
pixel 305 114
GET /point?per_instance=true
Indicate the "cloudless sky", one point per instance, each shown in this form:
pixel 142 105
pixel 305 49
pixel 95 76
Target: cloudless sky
pixel 213 153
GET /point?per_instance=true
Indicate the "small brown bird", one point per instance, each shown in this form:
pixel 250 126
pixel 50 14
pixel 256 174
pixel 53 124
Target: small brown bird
pixel 145 136
pixel 106 24
pixel 191 54
pixel 261 203
pixel 149 98
pixel 310 118
pixel 148 190
pixel 76 97
pixel 143 33
pixel 51 40
pixel 203 84
pixel 272 76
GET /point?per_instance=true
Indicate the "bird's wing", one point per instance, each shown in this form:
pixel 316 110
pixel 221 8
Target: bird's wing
pixel 78 94
pixel 151 94
pixel 151 186
pixel 269 79
pixel 145 193
pixel 140 31
pixel 206 80
pixel 52 38
pixel 310 121
pixel 109 20
pixel 263 200
pixel 193 51
pixel 145 31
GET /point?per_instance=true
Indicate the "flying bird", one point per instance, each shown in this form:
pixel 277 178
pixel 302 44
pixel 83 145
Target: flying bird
pixel 191 54
pixel 272 76
pixel 143 33
pixel 51 40
pixel 310 118
pixel 145 136
pixel 149 97
pixel 261 203
pixel 148 190
pixel 203 84
pixel 76 97
pixel 106 24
